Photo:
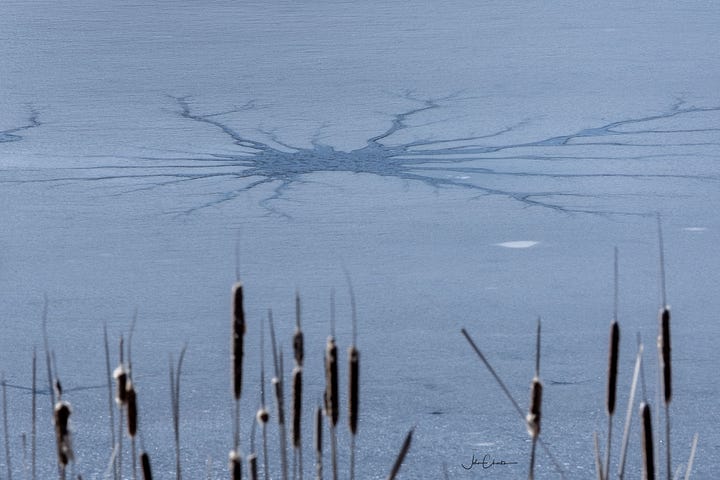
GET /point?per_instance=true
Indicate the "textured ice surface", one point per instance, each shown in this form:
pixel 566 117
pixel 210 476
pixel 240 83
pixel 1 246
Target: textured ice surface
pixel 139 142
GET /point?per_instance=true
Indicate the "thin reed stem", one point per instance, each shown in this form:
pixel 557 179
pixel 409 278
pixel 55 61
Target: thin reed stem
pixel 33 432
pixel 8 461
pixel 111 410
pixel 693 449
pixel 628 415
pixel 401 455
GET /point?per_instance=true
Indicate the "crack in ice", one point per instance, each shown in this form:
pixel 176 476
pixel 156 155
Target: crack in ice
pixel 283 165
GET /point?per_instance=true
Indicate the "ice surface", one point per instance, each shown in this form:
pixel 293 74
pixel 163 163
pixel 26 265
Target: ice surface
pixel 401 141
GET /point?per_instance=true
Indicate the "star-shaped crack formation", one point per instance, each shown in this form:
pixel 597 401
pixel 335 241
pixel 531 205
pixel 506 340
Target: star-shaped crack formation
pixel 439 163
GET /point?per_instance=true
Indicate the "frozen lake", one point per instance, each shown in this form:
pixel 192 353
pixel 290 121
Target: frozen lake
pixel 470 165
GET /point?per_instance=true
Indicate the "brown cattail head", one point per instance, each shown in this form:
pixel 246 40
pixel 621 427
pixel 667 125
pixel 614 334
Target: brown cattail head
pixel 145 465
pixel 279 395
pixel 238 334
pixel 318 431
pixel 235 465
pixel 131 409
pixel 296 406
pixel 647 443
pixel 262 415
pixel 613 367
pixel 298 342
pixel 331 381
pixel 62 412
pixel 353 388
pixel 535 413
pixel 121 378
pixel 664 347
pixel 252 466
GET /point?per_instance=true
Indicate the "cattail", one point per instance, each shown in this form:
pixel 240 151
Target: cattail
pixel 318 442
pixel 331 381
pixel 238 334
pixel 132 422
pixel 353 388
pixel 401 456
pixel 252 466
pixel 533 417
pixel 62 413
pixel 145 465
pixel 612 385
pixel 298 341
pixel 235 465
pixel 647 443
pixel 296 405
pixel 121 379
pixel 664 346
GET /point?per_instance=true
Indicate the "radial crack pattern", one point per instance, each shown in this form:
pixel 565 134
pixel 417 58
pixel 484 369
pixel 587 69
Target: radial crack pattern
pixel 439 163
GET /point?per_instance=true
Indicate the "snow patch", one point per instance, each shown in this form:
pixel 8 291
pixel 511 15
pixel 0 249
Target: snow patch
pixel 518 244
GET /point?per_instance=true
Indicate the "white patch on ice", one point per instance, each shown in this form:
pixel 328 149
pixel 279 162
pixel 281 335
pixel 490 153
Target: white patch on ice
pixel 518 244
pixel 694 229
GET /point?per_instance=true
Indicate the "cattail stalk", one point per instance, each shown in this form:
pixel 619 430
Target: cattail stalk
pixel 401 456
pixel 263 416
pixel 664 347
pixel 692 457
pixel 111 410
pixel 353 380
pixel 33 432
pixel 8 462
pixel 647 443
pixel 299 354
pixel 612 387
pixel 175 403
pixel 331 398
pixel 62 413
pixel 512 400
pixel 279 398
pixel 535 412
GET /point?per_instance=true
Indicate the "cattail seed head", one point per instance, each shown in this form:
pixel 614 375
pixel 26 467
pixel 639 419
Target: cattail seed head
pixel 121 378
pixel 331 381
pixel 318 431
pixel 613 367
pixel 62 412
pixel 235 465
pixel 296 406
pixel 238 334
pixel 252 466
pixel 263 416
pixel 535 413
pixel 131 409
pixel 145 465
pixel 353 388
pixel 647 443
pixel 279 396
pixel 298 347
pixel 664 347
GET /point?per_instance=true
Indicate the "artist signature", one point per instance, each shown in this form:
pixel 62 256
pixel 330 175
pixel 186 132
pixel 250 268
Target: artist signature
pixel 486 462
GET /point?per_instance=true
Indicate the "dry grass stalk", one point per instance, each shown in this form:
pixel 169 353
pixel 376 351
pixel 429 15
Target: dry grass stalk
pixel 8 462
pixel 647 443
pixel 237 348
pixel 693 449
pixel 628 415
pixel 262 415
pixel 175 403
pixel 145 465
pixel 401 455
pixel 277 382
pixel 111 410
pixel 33 433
